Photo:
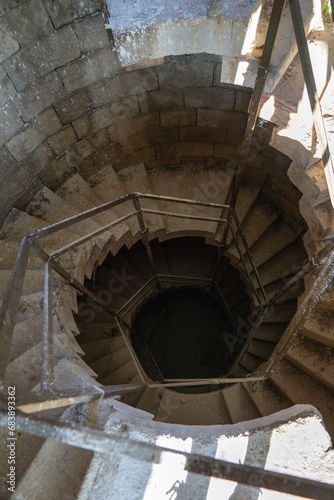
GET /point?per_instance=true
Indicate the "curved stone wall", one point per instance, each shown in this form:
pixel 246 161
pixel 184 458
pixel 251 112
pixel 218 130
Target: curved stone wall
pixel 68 106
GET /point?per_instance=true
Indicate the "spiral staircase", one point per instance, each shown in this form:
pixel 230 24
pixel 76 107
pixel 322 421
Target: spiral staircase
pixel 144 190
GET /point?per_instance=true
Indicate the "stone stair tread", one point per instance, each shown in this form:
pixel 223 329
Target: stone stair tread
pixel 94 331
pixel 313 358
pixel 272 332
pixel 300 388
pixel 135 179
pixel 96 348
pixel 279 235
pixel 246 197
pixel 239 404
pixel 116 280
pixel 281 312
pixel 287 260
pixel 250 362
pixel 261 348
pixel 26 334
pixel 276 286
pixel 320 326
pixel 107 187
pixel 193 409
pixel 266 397
pixel 19 223
pixel 150 400
pixel 258 219
pixel 8 254
pixel 33 281
pixel 122 375
pixel 178 183
pixel 77 192
pixel 50 207
pixel 109 363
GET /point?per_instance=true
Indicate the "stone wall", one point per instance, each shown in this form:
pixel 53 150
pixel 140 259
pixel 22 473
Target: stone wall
pixel 68 106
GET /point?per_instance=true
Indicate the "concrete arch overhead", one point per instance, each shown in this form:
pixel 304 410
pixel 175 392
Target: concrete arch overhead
pixel 82 122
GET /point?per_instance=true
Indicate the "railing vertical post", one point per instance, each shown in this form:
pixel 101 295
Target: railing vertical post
pixel 47 375
pixel 145 240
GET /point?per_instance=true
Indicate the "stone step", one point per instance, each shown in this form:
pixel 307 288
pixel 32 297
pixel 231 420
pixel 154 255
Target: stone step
pixel 320 326
pixel 272 332
pixel 193 409
pixel 240 406
pixel 107 187
pixel 246 197
pixel 261 348
pixel 282 312
pixel 114 301
pixel 266 397
pixel 285 262
pixel 278 236
pixel 315 359
pixel 26 334
pixel 259 218
pixel 51 208
pixel 300 388
pixel 91 332
pixel 8 254
pixel 250 362
pixel 135 179
pixel 77 192
pixel 116 280
pixel 184 182
pixel 150 400
pixel 122 375
pixel 109 363
pixel 33 281
pixel 97 348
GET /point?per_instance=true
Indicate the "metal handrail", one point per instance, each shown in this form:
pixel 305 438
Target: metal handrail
pixel 12 298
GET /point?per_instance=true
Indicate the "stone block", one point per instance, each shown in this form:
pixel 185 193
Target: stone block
pixel 188 74
pixel 63 139
pixel 226 152
pixel 73 106
pixel 8 42
pixel 92 34
pixel 101 159
pixel 59 167
pixel 29 194
pixel 65 12
pixel 4 7
pixel 7 89
pixel 202 134
pixel 180 118
pixel 39 96
pixel 99 139
pixel 161 100
pixel 41 58
pixel 144 155
pixel 39 159
pixel 221 118
pixel 242 101
pixel 274 154
pixel 101 64
pixel 161 162
pixel 7 165
pixel 84 148
pixel 30 22
pixel 10 122
pixel 121 130
pixel 152 138
pixel 215 98
pixel 24 142
pixel 123 85
pixel 47 122
pixel 234 138
pixel 186 149
pixel 274 167
pixel 106 116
